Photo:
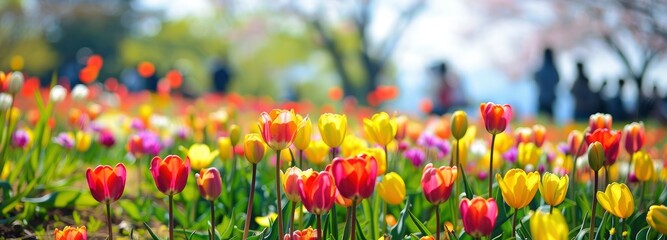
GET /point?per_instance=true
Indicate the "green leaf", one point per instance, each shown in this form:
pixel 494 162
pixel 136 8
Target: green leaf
pixel 422 228
pixel 66 198
pixel 131 209
pixel 227 233
pixel 150 231
pixel 398 231
pixel 466 186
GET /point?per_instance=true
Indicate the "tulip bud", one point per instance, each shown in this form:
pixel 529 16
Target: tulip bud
pixel 557 226
pixel 254 148
pixel 656 218
pixel 401 127
pixel 5 101
pixel 598 121
pixel 290 180
pixel 79 92
pixel 57 94
pixel 617 199
pixel 302 138
pixel 596 157
pixel 209 183
pixel 574 141
pixel 392 188
pixel 634 137
pixel 459 124
pixel 15 82
pixel 170 174
pixel 234 134
pixel 107 183
pixel 539 134
pixel 225 146
pixel 644 168
pixel 82 141
pixel 107 139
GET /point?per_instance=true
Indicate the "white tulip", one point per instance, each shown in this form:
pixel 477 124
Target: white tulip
pixel 80 92
pixel 15 82
pixel 5 101
pixel 57 94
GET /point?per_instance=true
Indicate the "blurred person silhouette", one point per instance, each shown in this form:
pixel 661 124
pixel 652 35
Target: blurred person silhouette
pixel 449 94
pixel 547 78
pixel 222 75
pixel 602 96
pixel 656 104
pixel 585 100
pixel 615 106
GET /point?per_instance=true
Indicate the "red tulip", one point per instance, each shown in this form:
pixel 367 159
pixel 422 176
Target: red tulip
pixel 479 216
pixel 209 183
pixel 340 200
pixel 170 174
pixel 437 183
pixel 317 192
pixel 496 117
pixel 106 183
pixel 71 233
pixel 634 137
pixel 355 176
pixel 574 141
pixel 599 120
pixel 611 141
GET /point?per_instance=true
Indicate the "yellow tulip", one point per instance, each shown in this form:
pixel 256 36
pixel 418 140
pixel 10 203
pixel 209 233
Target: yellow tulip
pixel 254 147
pixel 352 145
pixel 332 128
pixel 553 188
pixel 470 135
pixel 528 154
pixel 225 148
pixel 381 128
pixel 657 218
pixel 82 141
pixel 518 187
pixel 548 226
pixel 317 152
pixel 200 155
pixel 265 221
pixel 286 156
pixel 644 169
pixel 459 124
pixel 617 200
pixel 503 142
pixel 497 163
pixel 596 156
pixel 234 134
pixel 302 138
pixel 392 188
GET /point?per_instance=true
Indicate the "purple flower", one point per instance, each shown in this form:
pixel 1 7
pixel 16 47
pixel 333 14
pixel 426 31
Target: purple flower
pixel 551 156
pixel 511 155
pixel 137 124
pixel 427 140
pixel 564 148
pixel 150 143
pixel 20 138
pixel 402 146
pixel 443 146
pixel 65 140
pixel 415 155
pixel 107 139
pixel 541 169
pixel 182 133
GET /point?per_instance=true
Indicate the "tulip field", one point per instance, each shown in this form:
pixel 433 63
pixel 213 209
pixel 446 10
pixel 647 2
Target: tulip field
pixel 95 162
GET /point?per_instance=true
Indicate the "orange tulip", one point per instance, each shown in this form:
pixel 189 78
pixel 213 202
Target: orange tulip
pixel 71 233
pixel 278 128
pixel 539 134
pixel 209 183
pixel 437 183
pixel 496 117
pixel 599 120
pixel 574 141
pixel 306 234
pixel 355 176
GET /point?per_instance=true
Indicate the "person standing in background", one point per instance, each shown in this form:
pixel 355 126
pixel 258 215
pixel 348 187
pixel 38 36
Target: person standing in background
pixel 547 79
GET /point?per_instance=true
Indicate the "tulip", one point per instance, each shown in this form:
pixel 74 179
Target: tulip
pixel 80 92
pixel 392 188
pixel 634 137
pixel 135 146
pixel 170 176
pixel 524 135
pixel 437 186
pixel 381 128
pixel 107 185
pixel 71 233
pixel 644 169
pixel 316 152
pixel 401 127
pixel 290 179
pixel 225 148
pixel 528 154
pixel 596 159
pixel 209 183
pixel 332 128
pixel 459 124
pixel 553 189
pixel 234 134
pixel 547 225
pixel 107 139
pixel 318 193
pixel 22 138
pixel 380 158
pixel 254 149
pixel 657 218
pixel 610 141
pixel 353 145
pixel 496 118
pixel 306 234
pixel 6 101
pixel 15 82
pixel 303 137
pixel 278 128
pixel 617 200
pixel 539 133
pixel 478 216
pixel 355 178
pixel 57 94
pixel 599 121
pixel 518 189
pixel 574 142
pixel 200 155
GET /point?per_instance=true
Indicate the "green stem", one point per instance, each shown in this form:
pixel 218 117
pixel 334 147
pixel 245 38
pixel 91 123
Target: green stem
pixel 300 159
pixel 212 220
pixel 353 217
pixel 291 223
pixel 348 214
pixel 437 222
pixel 278 195
pixel 319 227
pixel 250 201
pixel 171 217
pixel 622 228
pixel 607 176
pixel 493 141
pixel 231 177
pixel 386 158
pixel 551 209
pixel 6 132
pixel 516 212
pixel 641 195
pixel 109 220
pixel 595 202
pixel 632 159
